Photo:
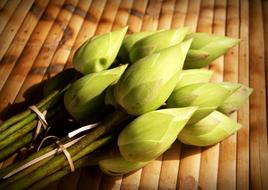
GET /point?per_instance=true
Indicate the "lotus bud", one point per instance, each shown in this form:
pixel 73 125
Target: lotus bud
pixel 212 45
pixel 236 99
pixel 98 53
pixel 208 96
pixel 192 76
pixel 152 133
pixel 129 41
pixel 147 84
pixel 209 131
pixel 156 42
pixel 119 166
pixel 59 81
pixel 87 93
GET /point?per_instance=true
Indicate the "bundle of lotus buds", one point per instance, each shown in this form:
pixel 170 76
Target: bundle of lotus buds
pixel 128 99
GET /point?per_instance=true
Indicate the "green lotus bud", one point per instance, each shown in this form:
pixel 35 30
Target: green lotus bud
pixel 209 131
pixel 214 45
pixel 129 41
pixel 236 99
pixel 87 93
pixel 156 42
pixel 151 134
pixel 98 53
pixel 208 96
pixel 59 81
pixel 147 84
pixel 119 166
pixel 192 76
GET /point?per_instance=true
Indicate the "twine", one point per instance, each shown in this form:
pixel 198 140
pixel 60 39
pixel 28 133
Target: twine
pixel 44 156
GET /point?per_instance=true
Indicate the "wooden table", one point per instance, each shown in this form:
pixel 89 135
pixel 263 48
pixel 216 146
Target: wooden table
pixel 38 38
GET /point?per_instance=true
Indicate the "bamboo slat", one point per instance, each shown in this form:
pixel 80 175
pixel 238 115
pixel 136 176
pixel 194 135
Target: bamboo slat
pixel 6 12
pixel 258 112
pixel 12 27
pixel 40 37
pixel 242 172
pixel 21 38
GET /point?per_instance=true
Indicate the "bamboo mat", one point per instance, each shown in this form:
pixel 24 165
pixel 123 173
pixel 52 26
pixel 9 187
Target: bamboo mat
pixel 38 39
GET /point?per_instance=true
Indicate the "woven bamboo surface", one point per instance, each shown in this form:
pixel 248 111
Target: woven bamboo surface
pixel 38 39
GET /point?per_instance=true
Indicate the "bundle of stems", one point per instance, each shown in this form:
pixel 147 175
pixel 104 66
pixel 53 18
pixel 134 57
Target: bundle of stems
pixel 17 131
pixel 87 144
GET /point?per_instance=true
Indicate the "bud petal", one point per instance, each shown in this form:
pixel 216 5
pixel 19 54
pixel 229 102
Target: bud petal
pixel 119 166
pixel 87 93
pixel 192 76
pixel 209 131
pixel 98 53
pixel 213 45
pixel 147 84
pixel 151 134
pixel 208 96
pixel 236 99
pixel 156 42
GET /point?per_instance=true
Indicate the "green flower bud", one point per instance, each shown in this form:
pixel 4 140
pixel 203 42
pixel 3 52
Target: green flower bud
pixel 208 96
pixel 147 84
pixel 59 81
pixel 209 131
pixel 87 93
pixel 214 45
pixel 151 134
pixel 98 53
pixel 236 99
pixel 156 42
pixel 192 76
pixel 119 166
pixel 129 41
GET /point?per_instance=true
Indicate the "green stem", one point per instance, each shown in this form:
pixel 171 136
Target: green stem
pixel 14 119
pixel 8 169
pixel 77 151
pixel 15 136
pixel 8 151
pixel 82 162
pixel 30 117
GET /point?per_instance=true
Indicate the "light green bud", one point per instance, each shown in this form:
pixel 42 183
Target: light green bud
pixel 119 166
pixel 208 96
pixel 156 42
pixel 212 45
pixel 151 134
pixel 146 84
pixel 236 99
pixel 87 93
pixel 209 131
pixel 98 53
pixel 192 76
